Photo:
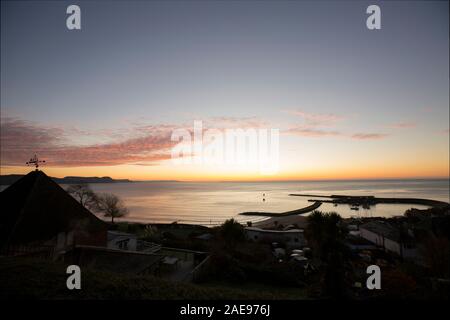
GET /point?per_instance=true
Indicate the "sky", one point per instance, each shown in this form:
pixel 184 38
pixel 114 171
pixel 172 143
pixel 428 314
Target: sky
pixel 349 102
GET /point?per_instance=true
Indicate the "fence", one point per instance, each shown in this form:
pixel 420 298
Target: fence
pixel 199 270
pixel 147 247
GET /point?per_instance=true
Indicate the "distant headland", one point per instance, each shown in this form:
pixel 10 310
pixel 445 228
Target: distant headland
pixel 11 178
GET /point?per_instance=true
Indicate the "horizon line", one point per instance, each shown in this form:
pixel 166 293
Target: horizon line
pixel 252 180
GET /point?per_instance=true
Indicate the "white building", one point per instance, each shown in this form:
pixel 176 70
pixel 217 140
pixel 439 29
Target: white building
pixel 389 238
pixel 122 241
pixel 129 242
pixel 293 238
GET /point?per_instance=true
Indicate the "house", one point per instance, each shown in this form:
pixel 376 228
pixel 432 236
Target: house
pixel 204 236
pixel 293 238
pixel 389 237
pixel 36 211
pixel 129 242
pixel 122 241
pixel 357 243
pixel 38 214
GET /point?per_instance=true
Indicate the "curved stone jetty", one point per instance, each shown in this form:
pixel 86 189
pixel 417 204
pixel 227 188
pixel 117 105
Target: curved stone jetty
pixel 312 207
pixel 371 200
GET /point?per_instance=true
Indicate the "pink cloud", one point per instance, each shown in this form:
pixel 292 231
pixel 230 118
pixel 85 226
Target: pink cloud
pixel 427 109
pixel 317 118
pixel 311 132
pixel 235 122
pixel 141 144
pixel 315 122
pixel 319 133
pixel 403 125
pixel 368 136
pixel 16 132
pixel 21 139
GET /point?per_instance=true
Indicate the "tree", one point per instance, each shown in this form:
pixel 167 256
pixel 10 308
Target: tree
pixel 232 232
pixel 84 194
pixel 111 206
pixel 326 235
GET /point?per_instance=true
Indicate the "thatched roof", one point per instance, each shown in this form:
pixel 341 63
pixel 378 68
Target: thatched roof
pixel 35 208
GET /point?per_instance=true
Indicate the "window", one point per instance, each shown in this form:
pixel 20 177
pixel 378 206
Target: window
pixel 123 245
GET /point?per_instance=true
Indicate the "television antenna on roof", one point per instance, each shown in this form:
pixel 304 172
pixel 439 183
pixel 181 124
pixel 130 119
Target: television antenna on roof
pixel 35 161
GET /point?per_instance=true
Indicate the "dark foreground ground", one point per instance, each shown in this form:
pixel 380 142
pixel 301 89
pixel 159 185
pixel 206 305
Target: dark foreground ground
pixel 39 279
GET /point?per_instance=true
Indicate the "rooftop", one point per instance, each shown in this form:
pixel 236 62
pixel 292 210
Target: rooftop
pixel 382 228
pixel 35 208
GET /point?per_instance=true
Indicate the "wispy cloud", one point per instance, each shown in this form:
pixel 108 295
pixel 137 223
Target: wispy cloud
pixel 311 132
pixel 427 109
pixel 235 122
pixel 316 119
pixel 20 139
pixel 319 125
pixel 369 136
pixel 313 124
pixel 142 144
pixel 14 130
pixel 320 133
pixel 403 125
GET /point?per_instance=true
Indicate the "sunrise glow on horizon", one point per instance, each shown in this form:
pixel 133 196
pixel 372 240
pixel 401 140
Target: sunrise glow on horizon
pixel 137 173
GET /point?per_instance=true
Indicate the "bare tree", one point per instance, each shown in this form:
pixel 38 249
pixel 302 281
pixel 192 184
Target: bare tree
pixel 84 194
pixel 111 206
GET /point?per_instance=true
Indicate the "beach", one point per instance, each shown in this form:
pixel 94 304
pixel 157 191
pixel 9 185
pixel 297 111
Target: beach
pixel 300 221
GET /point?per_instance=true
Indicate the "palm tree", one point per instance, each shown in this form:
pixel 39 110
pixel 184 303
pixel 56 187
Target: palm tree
pixel 327 235
pixel 232 232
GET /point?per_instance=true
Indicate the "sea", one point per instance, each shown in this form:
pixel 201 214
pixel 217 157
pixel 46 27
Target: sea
pixel 211 203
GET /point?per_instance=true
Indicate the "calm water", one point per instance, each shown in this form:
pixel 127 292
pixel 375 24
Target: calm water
pixel 212 203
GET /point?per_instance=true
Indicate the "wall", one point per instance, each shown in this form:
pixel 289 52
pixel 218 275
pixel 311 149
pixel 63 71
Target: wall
pixel 372 237
pixel 291 239
pixel 392 246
